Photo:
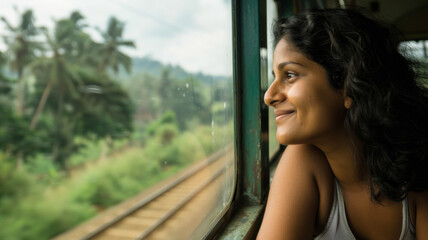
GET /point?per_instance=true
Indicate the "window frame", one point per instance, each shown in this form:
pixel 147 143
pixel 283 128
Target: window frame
pixel 244 216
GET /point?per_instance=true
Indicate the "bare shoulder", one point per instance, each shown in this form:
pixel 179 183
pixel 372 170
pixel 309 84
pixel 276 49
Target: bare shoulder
pixel 308 156
pixel 294 197
pixel 311 161
pixel 418 204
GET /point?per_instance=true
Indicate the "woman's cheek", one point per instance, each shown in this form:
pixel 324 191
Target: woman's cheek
pixel 300 99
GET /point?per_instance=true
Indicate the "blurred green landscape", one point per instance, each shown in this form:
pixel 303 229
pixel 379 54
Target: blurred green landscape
pixel 83 126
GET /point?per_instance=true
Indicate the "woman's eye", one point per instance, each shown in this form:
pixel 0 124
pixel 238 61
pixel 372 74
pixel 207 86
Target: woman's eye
pixel 290 75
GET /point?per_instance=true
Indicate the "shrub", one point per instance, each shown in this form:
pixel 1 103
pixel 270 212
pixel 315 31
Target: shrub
pixel 43 218
pixel 13 183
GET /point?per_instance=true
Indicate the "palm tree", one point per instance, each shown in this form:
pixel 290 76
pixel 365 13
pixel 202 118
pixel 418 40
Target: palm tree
pixel 22 48
pixel 59 74
pixel 60 69
pixel 111 56
pixel 86 102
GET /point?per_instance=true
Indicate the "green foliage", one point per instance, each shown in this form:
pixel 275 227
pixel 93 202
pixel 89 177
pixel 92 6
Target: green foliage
pixel 5 82
pixel 104 109
pixel 222 112
pixel 15 136
pixel 204 135
pixel 88 151
pixel 10 179
pixel 190 149
pixel 43 217
pixel 167 147
pixel 42 166
pixel 117 180
pixel 167 118
pixel 214 137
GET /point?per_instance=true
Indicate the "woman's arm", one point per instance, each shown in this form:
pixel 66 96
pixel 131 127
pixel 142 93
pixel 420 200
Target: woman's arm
pixel 293 201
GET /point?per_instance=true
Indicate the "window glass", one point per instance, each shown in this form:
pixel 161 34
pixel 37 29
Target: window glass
pixel 417 50
pixel 271 16
pixel 106 104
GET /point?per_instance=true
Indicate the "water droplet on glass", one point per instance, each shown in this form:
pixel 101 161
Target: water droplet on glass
pixel 187 85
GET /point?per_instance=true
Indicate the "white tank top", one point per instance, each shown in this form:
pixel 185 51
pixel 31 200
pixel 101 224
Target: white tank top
pixel 337 225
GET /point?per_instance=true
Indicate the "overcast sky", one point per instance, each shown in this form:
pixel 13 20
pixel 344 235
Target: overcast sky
pixel 196 34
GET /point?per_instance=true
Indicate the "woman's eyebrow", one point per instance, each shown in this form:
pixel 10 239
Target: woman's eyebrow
pixel 283 64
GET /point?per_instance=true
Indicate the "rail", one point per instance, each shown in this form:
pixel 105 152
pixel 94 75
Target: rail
pixel 147 215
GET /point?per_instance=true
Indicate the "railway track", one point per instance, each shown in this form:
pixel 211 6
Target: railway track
pixel 175 210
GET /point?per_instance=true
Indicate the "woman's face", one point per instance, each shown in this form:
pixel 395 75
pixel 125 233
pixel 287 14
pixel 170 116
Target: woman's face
pixel 307 108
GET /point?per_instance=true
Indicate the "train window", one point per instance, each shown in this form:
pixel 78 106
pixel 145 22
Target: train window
pixel 416 49
pixel 116 118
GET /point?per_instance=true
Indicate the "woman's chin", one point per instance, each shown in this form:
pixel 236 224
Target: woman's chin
pixel 288 139
pixel 284 140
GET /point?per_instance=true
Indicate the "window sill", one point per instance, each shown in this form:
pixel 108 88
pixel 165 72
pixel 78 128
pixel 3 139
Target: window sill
pixel 244 224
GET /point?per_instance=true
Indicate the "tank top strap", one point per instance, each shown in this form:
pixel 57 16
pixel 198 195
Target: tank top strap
pixel 342 212
pixel 407 230
pixel 337 224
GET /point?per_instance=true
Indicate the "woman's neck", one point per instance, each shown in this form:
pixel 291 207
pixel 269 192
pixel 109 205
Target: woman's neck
pixel 343 152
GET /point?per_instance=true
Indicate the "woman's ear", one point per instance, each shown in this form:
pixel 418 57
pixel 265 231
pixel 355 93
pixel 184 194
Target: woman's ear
pixel 348 102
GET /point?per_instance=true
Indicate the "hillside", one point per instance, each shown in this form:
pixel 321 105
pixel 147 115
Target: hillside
pixel 154 67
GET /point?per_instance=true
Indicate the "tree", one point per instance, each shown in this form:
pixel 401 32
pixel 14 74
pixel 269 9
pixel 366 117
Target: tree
pixel 22 48
pixel 58 75
pixel 103 110
pixel 86 103
pixel 111 56
pixel 60 69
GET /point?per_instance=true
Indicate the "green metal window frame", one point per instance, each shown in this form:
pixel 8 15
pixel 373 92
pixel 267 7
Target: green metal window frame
pixel 250 40
pixel 251 122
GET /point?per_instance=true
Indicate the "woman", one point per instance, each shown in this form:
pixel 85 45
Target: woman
pixel 355 119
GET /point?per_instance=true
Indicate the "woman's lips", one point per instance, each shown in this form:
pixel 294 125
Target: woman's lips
pixel 284 114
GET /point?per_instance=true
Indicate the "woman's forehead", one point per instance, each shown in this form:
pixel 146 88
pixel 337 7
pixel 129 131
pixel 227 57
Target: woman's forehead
pixel 286 52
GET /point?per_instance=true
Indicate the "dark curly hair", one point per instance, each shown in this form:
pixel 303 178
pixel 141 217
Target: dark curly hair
pixel 389 111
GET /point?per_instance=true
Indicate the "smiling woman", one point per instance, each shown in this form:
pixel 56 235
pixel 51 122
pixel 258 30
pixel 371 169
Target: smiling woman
pixel 354 115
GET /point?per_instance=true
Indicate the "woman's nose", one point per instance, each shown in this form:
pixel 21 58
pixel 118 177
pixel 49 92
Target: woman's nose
pixel 274 94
